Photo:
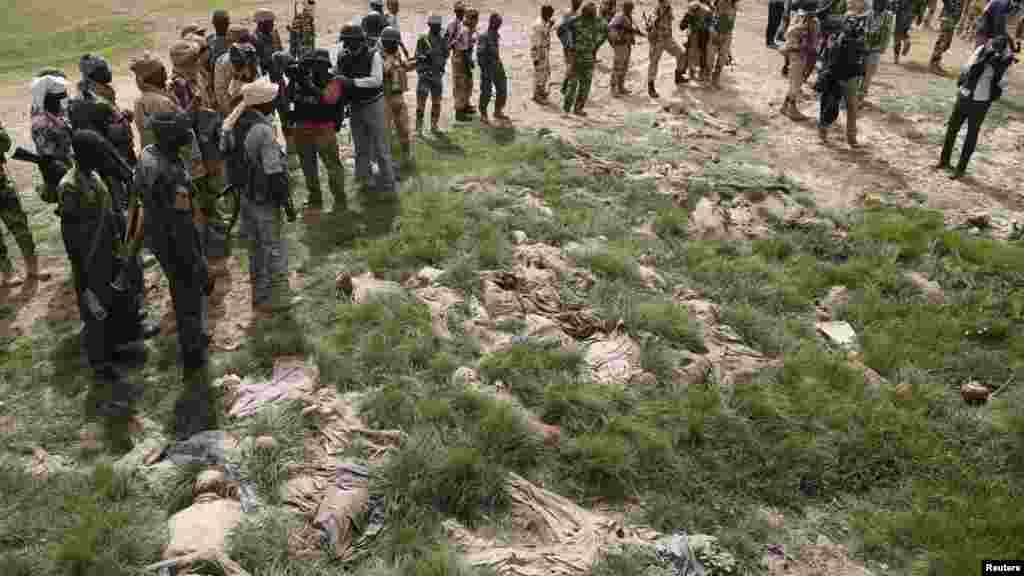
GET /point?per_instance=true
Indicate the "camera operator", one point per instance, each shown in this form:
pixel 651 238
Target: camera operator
pixel 981 83
pixel 316 112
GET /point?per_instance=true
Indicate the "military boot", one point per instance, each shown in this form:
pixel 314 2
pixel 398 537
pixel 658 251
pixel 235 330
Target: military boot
pixel 651 91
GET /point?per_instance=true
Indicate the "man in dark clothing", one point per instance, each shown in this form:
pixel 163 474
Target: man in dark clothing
pixel 93 242
pixel 163 187
pixel 431 57
pixel 981 83
pixel 492 71
pixel 266 40
pixel 843 68
pixel 317 116
pixel 776 10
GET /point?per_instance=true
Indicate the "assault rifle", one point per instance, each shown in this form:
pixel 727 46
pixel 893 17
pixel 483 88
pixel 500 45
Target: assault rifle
pixel 48 167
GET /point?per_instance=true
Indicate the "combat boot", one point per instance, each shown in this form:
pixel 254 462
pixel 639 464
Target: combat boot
pixel 651 91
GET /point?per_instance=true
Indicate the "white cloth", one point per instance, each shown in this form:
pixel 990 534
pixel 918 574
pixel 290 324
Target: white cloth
pixel 376 77
pixel 259 92
pixel 46 85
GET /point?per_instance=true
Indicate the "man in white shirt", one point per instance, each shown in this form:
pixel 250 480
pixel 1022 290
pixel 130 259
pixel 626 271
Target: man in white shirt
pixel 982 81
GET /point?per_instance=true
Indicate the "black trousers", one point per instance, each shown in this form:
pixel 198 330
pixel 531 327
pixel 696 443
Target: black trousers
pixel 974 113
pixel 775 12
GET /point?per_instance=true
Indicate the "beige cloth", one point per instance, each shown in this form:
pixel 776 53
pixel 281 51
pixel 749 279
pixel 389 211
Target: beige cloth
pixel 262 91
pixel 223 74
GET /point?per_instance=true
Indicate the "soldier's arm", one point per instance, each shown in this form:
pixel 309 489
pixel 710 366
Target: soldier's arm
pixel 145 177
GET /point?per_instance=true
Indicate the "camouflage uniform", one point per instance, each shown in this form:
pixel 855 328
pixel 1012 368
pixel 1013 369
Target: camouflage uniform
pixel 950 16
pixel 622 39
pixel 540 53
pixel 431 56
pixel 660 38
pixel 462 64
pixel 11 213
pixel 396 82
pixel 302 34
pixel 52 137
pixel 588 36
pixel 696 20
pixel 720 46
pixel 568 46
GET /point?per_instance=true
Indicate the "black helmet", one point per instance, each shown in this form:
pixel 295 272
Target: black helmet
pixel 172 129
pixel 352 32
pixel 390 38
pixel 373 24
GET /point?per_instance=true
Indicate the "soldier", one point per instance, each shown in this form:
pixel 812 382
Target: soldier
pixel 431 57
pixel 567 38
pixel 302 31
pixel 224 71
pixel 540 52
pixel 249 136
pixel 720 46
pixel 373 24
pixel 697 21
pixel 13 216
pixel 218 42
pixel 391 19
pixel 659 34
pixel 879 29
pixel 163 188
pixel 801 47
pixel 455 26
pixel 95 108
pixel 904 10
pixel 93 242
pixel 492 71
pixel 317 119
pixel 396 74
pixel 588 33
pixel 606 13
pixel 462 65
pixel 842 70
pixel 950 17
pixel 51 132
pixel 362 76
pixel 622 36
pixel 266 40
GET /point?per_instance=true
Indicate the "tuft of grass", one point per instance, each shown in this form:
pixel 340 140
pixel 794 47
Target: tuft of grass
pixel 629 561
pixel 527 366
pixel 609 262
pixel 668 320
pixel 268 468
pixel 261 544
pixel 30 43
pixel 386 338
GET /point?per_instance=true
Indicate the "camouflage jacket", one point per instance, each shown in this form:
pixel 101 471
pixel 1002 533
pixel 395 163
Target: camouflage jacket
pixel 52 136
pixel 661 27
pixel 431 56
pixel 589 34
pixel 79 194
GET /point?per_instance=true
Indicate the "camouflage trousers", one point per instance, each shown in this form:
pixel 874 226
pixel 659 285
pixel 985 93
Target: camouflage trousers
pixel 268 255
pixel 398 121
pixel 620 65
pixel 541 77
pixel 14 218
pixel 719 53
pixel 462 82
pixel 569 56
pixel 945 39
pixel 659 47
pixel 320 143
pixel 577 89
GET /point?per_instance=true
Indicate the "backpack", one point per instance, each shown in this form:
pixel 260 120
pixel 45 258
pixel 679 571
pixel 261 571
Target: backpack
pixel 846 51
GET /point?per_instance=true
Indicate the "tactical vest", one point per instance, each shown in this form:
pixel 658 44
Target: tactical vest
pixel 308 112
pixel 237 164
pixel 359 66
pixel 257 185
pixel 218 46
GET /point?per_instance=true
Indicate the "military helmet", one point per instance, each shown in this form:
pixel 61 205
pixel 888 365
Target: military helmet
pixel 352 32
pixel 390 37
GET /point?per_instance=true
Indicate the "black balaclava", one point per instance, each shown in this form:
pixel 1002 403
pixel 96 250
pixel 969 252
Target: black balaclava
pixel 53 103
pixel 547 13
pixel 172 131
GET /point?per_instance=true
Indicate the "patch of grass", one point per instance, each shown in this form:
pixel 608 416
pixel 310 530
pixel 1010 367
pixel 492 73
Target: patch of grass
pixel 261 544
pixel 672 223
pixel 96 523
pixel 629 561
pixel 426 477
pixel 26 50
pixel 268 467
pixel 668 320
pixel 613 262
pixel 526 367
pixel 383 339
